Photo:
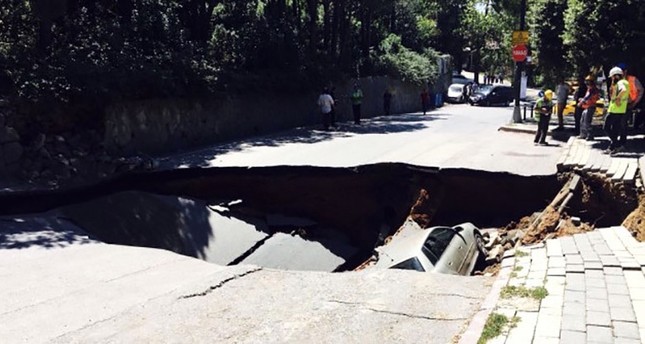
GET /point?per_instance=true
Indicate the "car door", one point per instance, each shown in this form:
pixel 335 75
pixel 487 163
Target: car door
pixel 508 94
pixel 495 95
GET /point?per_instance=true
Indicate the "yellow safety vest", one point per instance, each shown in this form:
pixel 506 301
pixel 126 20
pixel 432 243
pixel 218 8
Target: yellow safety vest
pixel 613 107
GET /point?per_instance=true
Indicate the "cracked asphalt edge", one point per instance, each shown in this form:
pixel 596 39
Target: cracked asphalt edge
pixel 221 283
pixel 415 316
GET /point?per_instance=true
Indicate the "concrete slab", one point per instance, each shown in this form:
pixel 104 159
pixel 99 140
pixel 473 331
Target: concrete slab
pixel 622 168
pixel 630 173
pixel 277 306
pixel 284 251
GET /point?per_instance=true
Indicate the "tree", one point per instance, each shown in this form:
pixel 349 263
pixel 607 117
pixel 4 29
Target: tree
pixel 546 20
pixel 486 34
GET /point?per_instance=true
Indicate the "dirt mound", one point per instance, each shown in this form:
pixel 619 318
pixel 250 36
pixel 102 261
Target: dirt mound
pixel 537 232
pixel 635 222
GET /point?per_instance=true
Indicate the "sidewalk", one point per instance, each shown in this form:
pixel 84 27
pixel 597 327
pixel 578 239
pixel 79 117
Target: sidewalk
pixel 594 290
pixel 585 288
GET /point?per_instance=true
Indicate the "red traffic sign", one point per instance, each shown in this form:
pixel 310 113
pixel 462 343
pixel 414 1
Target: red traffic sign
pixel 519 52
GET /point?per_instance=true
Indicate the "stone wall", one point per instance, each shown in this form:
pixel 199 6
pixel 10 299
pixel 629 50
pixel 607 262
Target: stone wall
pixel 166 125
pixel 10 149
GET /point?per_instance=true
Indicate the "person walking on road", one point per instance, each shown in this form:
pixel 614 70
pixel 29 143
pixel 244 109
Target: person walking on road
pixel 562 93
pixel 543 109
pixel 588 106
pixel 357 99
pixel 326 104
pixel 581 91
pixel 425 100
pixel 616 121
pixel 387 101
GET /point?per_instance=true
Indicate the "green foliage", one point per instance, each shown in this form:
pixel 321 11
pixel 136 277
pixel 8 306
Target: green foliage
pixel 547 23
pixel 537 293
pixel 486 34
pixel 92 55
pixel 572 36
pixel 65 53
pixel 403 63
pixel 494 326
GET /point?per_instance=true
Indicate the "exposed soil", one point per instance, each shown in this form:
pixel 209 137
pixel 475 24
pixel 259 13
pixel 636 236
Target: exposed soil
pixel 603 202
pixel 635 222
pixel 597 202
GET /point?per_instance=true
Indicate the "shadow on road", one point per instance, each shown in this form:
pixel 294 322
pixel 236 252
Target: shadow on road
pixel 45 232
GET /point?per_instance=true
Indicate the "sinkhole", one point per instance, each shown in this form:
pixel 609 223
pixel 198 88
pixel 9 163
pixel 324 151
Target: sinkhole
pixel 305 218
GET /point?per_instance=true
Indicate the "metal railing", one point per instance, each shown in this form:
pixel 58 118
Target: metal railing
pixel 530 106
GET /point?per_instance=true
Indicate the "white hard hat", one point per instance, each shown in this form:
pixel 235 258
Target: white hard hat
pixel 615 71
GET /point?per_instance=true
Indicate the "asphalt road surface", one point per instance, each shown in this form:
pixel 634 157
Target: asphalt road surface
pixel 459 136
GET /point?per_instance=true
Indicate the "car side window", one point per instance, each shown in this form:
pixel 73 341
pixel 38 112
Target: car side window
pixel 436 243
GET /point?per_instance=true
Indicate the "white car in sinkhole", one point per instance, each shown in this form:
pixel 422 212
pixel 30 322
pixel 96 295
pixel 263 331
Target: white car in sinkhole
pixel 451 250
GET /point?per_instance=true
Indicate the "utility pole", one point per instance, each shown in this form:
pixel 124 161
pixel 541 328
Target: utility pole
pixel 519 67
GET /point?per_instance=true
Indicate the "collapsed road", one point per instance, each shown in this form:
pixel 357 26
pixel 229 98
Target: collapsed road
pixel 304 218
pixel 264 221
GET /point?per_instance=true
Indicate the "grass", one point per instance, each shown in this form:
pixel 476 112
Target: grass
pixel 513 274
pixel 537 293
pixel 517 268
pixel 520 254
pixel 493 328
pixel 513 322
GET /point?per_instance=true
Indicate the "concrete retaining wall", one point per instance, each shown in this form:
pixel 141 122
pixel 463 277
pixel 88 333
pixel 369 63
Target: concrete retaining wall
pixel 165 125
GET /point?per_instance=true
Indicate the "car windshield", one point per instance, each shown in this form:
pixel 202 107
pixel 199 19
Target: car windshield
pixel 457 80
pixel 436 243
pixel 485 89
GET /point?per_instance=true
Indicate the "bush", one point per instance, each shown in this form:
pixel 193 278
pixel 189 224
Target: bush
pixel 400 62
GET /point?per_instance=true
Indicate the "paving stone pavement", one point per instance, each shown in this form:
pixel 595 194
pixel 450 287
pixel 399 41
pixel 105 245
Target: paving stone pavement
pixel 596 290
pixel 582 155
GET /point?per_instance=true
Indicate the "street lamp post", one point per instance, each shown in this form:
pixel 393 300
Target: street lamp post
pixel 519 66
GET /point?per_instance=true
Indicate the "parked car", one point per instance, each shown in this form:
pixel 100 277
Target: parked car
pixel 492 94
pixel 460 79
pixel 452 250
pixel 456 93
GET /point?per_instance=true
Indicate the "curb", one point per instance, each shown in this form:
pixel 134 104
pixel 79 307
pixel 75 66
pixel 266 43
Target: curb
pixel 513 129
pixel 476 326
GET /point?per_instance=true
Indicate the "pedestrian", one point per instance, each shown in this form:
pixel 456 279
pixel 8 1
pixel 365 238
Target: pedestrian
pixel 635 92
pixel 332 114
pixel 357 99
pixel 543 109
pixel 425 100
pixel 588 106
pixel 581 91
pixel 387 101
pixel 616 121
pixel 326 104
pixel 562 93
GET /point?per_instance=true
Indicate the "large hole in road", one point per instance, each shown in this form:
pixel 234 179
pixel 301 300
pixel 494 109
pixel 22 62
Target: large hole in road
pixel 300 218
